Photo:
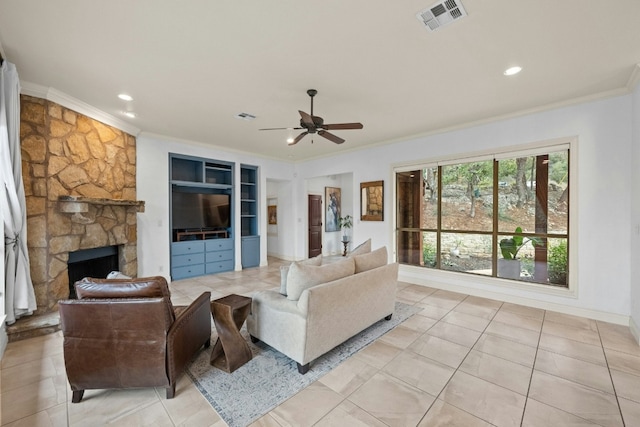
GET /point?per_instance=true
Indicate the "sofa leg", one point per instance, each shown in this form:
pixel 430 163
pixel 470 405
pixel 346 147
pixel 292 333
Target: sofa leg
pixel 207 343
pixel 254 339
pixel 77 396
pixel 388 317
pixel 303 369
pixel 171 391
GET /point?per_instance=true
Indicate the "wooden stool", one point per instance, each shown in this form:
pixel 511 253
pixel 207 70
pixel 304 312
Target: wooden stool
pixel 230 350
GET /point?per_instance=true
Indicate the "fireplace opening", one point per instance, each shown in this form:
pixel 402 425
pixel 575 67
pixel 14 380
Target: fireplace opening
pixel 96 262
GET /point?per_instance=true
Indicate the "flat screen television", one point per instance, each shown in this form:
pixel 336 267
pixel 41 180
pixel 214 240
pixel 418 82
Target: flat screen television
pixel 200 211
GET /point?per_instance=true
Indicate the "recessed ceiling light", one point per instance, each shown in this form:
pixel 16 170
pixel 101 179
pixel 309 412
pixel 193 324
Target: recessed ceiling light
pixel 125 97
pixel 512 71
pixel 129 114
pixel 289 140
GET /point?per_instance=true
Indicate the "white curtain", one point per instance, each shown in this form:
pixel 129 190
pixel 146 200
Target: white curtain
pixel 20 298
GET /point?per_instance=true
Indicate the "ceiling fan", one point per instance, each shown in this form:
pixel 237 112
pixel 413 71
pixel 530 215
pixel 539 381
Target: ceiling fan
pixel 315 124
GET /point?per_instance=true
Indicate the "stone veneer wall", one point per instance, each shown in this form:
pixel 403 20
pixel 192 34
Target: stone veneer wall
pixel 65 153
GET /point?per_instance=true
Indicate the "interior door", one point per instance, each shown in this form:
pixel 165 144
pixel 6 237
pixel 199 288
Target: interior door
pixel 315 225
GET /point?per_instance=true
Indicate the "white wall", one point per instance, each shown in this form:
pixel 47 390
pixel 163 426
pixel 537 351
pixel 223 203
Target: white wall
pixel 635 215
pixel 603 195
pixel 280 234
pixel 153 188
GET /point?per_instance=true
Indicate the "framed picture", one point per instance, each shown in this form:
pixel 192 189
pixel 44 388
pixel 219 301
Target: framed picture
pixel 371 201
pixel 333 203
pixel 272 213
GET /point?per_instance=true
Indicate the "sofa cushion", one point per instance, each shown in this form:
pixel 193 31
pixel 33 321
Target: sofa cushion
pixel 303 277
pixel 284 271
pixel 372 260
pixel 362 248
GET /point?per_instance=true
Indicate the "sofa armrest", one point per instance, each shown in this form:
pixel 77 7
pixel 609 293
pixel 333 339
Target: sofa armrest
pixel 190 330
pixel 278 322
pixel 276 301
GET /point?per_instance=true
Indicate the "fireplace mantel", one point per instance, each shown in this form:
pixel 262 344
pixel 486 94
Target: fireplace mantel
pixel 79 204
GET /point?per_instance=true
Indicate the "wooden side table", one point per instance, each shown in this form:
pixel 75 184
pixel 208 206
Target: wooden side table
pixel 231 350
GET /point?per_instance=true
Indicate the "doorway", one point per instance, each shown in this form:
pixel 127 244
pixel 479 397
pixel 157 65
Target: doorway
pixel 315 225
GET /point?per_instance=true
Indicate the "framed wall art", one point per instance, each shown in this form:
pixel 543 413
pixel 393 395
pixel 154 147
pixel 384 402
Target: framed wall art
pixel 333 203
pixel 372 201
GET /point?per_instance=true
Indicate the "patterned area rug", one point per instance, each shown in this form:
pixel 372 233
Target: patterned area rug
pixel 270 377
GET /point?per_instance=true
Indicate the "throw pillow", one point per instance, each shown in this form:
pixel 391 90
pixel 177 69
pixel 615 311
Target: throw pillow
pixel 284 270
pixel 362 248
pixel 303 277
pixel 372 260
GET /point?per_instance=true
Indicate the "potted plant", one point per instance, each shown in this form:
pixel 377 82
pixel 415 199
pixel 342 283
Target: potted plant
pixel 346 222
pixel 509 265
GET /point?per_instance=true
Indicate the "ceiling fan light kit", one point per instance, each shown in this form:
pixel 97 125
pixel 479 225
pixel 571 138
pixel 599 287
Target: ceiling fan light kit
pixel 315 124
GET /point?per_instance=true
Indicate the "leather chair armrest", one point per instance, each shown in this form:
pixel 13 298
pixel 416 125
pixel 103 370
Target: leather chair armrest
pixel 191 329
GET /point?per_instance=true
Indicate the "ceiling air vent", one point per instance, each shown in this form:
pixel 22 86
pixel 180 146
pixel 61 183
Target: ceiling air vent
pixel 441 14
pixel 245 116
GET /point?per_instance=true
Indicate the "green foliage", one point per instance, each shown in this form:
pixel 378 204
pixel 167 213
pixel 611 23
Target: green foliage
pixel 429 254
pixel 507 168
pixel 478 172
pixel 557 262
pixel 346 221
pixel 558 167
pixel 510 246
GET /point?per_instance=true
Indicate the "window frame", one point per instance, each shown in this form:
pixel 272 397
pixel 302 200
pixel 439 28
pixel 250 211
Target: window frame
pixel 421 273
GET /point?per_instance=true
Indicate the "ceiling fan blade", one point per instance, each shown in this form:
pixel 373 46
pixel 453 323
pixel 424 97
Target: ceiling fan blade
pixel 298 138
pixel 307 119
pixel 281 128
pixel 331 137
pixel 342 126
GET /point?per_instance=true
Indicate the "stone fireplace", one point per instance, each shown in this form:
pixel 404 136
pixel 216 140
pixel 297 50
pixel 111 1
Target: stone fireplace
pixel 80 185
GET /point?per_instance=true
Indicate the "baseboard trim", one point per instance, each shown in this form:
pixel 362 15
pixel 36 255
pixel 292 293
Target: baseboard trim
pixel 530 302
pixel 634 330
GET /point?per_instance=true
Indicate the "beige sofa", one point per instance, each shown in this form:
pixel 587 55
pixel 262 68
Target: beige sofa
pixel 325 305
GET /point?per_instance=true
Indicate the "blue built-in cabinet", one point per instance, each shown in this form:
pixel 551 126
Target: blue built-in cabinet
pixel 249 216
pixel 201 215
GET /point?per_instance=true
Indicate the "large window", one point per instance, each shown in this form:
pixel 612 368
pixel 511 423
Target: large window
pixel 506 216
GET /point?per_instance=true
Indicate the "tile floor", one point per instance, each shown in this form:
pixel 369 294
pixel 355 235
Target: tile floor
pixel 462 361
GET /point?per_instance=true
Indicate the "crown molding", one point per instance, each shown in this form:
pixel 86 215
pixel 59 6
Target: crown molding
pixel 67 101
pixel 634 80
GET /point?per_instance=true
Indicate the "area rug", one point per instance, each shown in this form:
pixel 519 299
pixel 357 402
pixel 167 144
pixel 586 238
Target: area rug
pixel 270 377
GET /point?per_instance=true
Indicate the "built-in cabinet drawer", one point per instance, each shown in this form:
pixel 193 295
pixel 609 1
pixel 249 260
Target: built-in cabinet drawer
pixel 190 247
pixel 187 271
pixel 218 256
pixel 217 267
pixel 198 257
pixel 189 259
pixel 218 245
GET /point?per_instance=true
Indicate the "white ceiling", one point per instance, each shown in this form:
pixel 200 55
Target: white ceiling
pixel 191 66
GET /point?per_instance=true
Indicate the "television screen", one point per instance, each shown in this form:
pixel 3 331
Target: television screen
pixel 198 211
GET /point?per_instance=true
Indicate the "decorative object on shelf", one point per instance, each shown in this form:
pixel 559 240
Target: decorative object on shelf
pixel 334 203
pixel 272 211
pixel 371 201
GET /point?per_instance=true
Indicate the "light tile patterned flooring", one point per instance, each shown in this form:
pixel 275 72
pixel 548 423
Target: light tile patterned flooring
pixel 462 361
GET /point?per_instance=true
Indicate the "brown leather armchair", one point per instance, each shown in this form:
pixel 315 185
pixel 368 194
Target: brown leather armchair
pixel 125 333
